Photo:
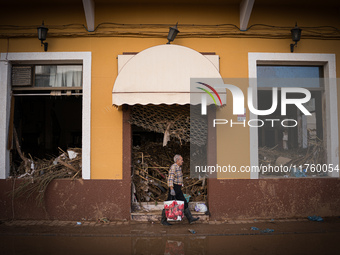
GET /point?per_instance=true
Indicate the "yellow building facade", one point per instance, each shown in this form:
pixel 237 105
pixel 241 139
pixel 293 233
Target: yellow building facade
pixel 242 34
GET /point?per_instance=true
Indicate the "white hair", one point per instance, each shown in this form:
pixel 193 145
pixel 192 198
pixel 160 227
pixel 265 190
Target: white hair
pixel 177 156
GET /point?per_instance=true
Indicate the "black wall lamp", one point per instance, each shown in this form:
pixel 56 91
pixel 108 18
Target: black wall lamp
pixel 296 36
pixel 42 32
pixel 173 31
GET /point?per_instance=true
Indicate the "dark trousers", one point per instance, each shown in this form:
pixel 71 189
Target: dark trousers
pixel 179 195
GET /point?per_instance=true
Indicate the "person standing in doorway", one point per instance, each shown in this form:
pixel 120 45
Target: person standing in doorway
pixel 175 183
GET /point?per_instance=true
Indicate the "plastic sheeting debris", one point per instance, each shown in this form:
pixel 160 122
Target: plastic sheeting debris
pixel 315 218
pixel 201 208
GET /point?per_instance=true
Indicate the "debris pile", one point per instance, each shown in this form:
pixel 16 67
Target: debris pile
pixel 151 163
pixel 38 173
pixel 70 161
pixel 314 155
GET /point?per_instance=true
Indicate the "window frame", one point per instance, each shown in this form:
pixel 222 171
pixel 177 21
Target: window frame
pixel 6 62
pixel 330 93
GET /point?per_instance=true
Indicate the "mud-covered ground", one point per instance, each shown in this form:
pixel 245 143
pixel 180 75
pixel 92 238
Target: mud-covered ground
pixel 234 237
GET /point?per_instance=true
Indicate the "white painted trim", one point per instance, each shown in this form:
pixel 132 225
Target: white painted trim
pixel 332 113
pixel 328 61
pixel 89 14
pixel 4 116
pixel 253 132
pixel 246 6
pixel 5 62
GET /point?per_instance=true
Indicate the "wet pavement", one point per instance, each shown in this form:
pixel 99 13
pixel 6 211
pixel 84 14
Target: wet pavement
pixel 122 237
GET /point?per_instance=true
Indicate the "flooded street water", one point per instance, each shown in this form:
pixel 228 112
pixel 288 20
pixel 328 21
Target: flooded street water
pixel 292 237
pixel 240 244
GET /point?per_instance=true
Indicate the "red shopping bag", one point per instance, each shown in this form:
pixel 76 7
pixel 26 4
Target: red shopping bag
pixel 174 210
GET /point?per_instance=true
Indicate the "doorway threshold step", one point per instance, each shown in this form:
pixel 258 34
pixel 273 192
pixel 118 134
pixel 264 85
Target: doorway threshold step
pixel 152 206
pixel 153 216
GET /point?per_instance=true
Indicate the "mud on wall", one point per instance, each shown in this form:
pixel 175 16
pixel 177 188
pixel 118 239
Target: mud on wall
pixel 69 200
pixel 230 199
pixel 273 198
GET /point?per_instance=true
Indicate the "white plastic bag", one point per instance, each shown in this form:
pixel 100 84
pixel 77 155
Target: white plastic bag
pixel 201 208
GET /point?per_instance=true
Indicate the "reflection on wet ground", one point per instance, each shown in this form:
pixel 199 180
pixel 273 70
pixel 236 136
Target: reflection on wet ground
pixel 286 238
pixel 247 244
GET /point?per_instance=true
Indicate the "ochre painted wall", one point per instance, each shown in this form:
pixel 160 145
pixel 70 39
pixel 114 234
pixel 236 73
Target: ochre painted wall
pixel 106 124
